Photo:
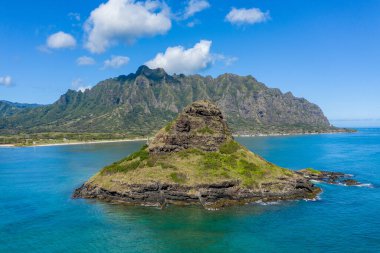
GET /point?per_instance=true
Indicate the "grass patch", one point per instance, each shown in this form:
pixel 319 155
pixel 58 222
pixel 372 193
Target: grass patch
pixel 229 147
pixel 314 171
pixel 129 163
pixel 205 130
pixel 212 161
pixel 179 178
pixel 168 126
pixel 167 166
pixel 143 154
pixel 187 152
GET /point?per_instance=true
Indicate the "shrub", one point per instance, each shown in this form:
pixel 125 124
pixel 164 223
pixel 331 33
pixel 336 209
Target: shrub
pixel 205 130
pixel 167 166
pixel 143 154
pixel 178 177
pixel 168 126
pixel 186 152
pixel 212 160
pixel 229 147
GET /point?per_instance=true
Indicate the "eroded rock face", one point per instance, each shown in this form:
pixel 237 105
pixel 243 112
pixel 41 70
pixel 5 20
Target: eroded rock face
pixel 208 195
pixel 201 125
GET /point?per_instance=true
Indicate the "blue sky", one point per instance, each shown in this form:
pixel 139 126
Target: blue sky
pixel 326 51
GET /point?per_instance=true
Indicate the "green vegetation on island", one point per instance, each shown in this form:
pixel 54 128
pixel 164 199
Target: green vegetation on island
pixel 195 160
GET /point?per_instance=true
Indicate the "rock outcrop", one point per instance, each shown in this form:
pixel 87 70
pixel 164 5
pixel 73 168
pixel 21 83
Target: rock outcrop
pixel 201 125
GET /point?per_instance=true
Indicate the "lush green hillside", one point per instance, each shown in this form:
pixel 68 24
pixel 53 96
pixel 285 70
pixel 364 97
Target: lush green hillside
pixel 143 102
pixel 8 108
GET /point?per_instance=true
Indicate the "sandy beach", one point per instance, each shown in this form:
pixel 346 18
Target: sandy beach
pixel 75 143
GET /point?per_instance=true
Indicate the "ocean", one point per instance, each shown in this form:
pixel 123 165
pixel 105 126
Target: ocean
pixel 37 213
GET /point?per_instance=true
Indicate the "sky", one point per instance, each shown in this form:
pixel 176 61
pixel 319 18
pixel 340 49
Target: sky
pixel 327 51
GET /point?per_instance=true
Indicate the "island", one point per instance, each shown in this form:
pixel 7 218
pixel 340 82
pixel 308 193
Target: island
pixel 194 160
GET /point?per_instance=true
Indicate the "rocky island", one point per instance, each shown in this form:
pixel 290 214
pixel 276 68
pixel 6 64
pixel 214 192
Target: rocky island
pixel 195 160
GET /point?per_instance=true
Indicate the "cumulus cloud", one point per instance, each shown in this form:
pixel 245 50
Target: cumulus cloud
pixel 5 80
pixel 180 60
pixel 116 61
pixel 195 6
pixel 247 16
pixel 125 21
pixel 78 85
pixel 85 61
pixel 60 40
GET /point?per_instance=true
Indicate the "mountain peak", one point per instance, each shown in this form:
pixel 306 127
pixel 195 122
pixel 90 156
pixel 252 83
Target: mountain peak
pixel 151 73
pixel 201 125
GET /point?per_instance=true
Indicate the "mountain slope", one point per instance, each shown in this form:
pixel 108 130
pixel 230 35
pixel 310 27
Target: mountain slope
pixel 8 108
pixel 143 102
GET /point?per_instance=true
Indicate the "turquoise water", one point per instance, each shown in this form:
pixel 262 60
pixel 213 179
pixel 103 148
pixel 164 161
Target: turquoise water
pixel 38 215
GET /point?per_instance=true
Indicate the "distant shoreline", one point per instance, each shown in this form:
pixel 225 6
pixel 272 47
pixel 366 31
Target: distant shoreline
pixel 285 134
pixel 144 139
pixel 73 143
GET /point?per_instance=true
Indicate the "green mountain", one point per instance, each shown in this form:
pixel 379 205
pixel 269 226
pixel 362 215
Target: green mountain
pixel 8 108
pixel 142 102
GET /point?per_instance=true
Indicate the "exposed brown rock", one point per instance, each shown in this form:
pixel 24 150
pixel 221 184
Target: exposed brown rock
pixel 201 125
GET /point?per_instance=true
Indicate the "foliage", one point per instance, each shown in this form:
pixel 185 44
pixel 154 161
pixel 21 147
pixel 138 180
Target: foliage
pixel 167 166
pixel 179 178
pixel 229 147
pixel 143 154
pixel 314 171
pixel 205 130
pixel 168 126
pixel 129 163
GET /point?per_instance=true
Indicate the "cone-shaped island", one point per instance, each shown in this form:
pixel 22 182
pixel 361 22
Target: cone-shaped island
pixel 195 160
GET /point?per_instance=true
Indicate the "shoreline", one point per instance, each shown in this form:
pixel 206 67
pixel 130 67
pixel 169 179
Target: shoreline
pixel 144 139
pixel 74 143
pixel 285 134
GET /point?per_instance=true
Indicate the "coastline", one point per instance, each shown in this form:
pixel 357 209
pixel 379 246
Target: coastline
pixel 74 143
pixel 286 134
pixel 144 139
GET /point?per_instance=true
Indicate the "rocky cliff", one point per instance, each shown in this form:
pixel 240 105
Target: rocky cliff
pixel 143 102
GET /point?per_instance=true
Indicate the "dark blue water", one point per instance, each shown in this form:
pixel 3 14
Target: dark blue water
pixel 38 215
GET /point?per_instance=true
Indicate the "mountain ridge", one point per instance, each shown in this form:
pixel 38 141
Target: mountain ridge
pixel 142 102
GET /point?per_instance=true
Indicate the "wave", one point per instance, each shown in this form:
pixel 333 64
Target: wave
pixel 365 185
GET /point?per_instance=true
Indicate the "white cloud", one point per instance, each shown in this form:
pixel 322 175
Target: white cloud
pixel 5 80
pixel 195 6
pixel 85 61
pixel 180 60
pixel 60 40
pixel 78 85
pixel 74 16
pixel 247 16
pixel 227 60
pixel 116 61
pixel 192 23
pixel 125 21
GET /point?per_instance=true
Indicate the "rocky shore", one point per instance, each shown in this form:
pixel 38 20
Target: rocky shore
pixel 215 195
pixel 208 195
